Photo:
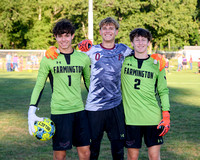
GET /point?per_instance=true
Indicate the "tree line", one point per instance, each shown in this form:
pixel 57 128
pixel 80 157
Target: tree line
pixel 27 24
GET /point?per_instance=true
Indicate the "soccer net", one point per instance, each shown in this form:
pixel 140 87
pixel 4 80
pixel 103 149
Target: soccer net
pixel 19 60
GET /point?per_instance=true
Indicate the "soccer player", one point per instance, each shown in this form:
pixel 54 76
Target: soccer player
pixel 67 109
pixel 104 101
pixel 141 80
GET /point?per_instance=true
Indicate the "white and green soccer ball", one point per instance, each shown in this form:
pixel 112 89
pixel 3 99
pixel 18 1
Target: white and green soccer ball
pixel 44 130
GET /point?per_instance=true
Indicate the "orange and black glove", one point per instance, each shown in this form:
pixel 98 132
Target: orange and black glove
pixel 51 53
pixel 158 57
pixel 165 122
pixel 85 45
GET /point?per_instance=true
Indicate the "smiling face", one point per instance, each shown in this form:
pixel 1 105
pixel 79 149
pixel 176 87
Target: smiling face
pixel 64 33
pixel 64 42
pixel 140 45
pixel 108 32
pixel 140 39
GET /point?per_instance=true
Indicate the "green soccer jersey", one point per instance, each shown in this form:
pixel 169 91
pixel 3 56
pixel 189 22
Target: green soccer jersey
pixel 140 79
pixel 65 78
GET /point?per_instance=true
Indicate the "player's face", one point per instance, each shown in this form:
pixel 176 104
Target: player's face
pixel 64 41
pixel 140 44
pixel 108 32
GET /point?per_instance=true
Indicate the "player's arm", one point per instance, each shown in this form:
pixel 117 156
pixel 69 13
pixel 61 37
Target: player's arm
pixel 83 46
pixel 163 92
pixel 127 51
pixel 36 94
pixel 86 72
pixel 40 82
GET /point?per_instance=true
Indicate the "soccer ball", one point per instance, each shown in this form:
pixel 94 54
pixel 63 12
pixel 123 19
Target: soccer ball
pixel 44 130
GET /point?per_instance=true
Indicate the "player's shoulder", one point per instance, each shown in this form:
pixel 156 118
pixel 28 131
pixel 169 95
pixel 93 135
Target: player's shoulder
pixel 94 49
pixel 97 46
pixel 78 52
pixel 81 54
pixel 152 60
pixel 46 62
pixel 45 59
pixel 124 49
pixel 122 45
pixel 154 63
pixel 131 55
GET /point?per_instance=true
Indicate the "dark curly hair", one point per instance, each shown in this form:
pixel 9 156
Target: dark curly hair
pixel 140 32
pixel 63 26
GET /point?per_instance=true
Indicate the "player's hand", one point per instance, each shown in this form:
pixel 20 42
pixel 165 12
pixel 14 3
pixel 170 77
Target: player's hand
pixel 32 118
pixel 165 122
pixel 85 45
pixel 51 53
pixel 158 57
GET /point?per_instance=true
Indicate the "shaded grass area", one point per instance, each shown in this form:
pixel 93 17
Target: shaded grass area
pixel 181 143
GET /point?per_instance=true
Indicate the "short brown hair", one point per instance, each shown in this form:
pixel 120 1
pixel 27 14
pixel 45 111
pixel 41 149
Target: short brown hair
pixel 140 32
pixel 109 20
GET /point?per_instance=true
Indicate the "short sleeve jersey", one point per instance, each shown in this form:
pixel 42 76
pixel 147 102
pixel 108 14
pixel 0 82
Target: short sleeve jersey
pixel 105 82
pixel 141 79
pixel 65 79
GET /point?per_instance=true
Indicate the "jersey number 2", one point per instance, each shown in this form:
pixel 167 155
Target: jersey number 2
pixel 137 83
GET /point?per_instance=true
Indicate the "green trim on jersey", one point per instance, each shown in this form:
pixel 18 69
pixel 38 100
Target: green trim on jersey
pixel 65 81
pixel 139 80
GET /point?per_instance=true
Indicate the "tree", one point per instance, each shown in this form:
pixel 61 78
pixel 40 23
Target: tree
pixel 28 23
pixel 171 22
pixel 14 23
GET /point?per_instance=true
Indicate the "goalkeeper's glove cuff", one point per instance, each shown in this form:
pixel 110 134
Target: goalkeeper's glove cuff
pixel 32 110
pixel 32 118
pixel 166 114
pixel 165 122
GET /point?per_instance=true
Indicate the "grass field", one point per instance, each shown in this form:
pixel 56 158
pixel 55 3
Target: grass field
pixel 181 143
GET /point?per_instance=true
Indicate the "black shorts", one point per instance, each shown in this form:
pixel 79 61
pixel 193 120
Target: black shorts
pixel 112 121
pixel 134 136
pixel 71 129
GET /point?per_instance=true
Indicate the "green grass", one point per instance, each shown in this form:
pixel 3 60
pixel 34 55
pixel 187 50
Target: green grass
pixel 181 143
